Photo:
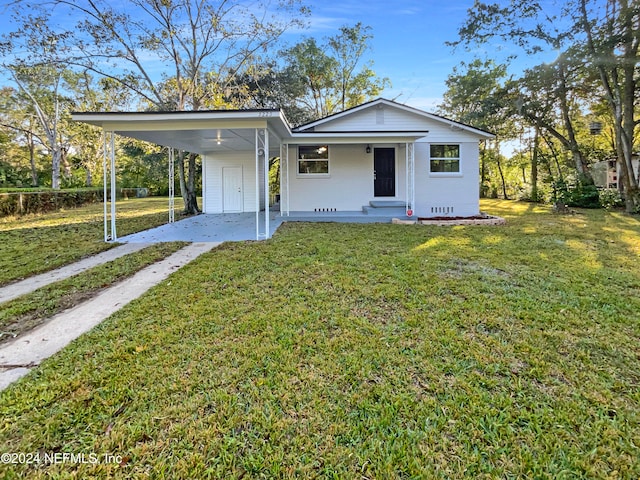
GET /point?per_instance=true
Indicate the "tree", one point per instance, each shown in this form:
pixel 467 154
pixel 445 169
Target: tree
pixel 40 76
pixel 475 96
pixel 599 39
pixel 201 46
pixel 548 96
pixel 612 43
pixel 309 62
pixel 277 88
pixel 334 74
pixel 89 95
pixel 348 48
pixel 17 116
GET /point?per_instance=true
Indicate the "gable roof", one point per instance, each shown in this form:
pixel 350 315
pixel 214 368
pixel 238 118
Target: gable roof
pixel 207 131
pixel 311 126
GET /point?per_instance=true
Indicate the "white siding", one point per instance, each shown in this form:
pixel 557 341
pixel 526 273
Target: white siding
pixel 453 195
pixel 212 180
pixel 349 185
pixel 372 119
pixel 395 119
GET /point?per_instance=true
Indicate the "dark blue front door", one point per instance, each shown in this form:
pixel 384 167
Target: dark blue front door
pixel 384 172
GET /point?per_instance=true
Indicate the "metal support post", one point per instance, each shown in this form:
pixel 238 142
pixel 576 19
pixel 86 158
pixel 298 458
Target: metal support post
pixel 172 206
pixel 104 185
pixel 114 235
pixel 266 184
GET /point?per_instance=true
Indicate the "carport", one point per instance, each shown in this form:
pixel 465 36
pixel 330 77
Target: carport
pixel 258 133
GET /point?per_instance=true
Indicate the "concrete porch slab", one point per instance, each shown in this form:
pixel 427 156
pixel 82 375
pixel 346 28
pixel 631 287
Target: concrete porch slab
pixel 340 217
pixel 236 227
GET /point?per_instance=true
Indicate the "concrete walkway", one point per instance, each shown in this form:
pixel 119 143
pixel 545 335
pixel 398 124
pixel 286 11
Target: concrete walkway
pixel 19 356
pixel 28 285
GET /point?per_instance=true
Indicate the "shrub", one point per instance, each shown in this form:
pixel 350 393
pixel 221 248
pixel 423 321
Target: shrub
pixel 20 203
pixel 610 198
pixel 583 194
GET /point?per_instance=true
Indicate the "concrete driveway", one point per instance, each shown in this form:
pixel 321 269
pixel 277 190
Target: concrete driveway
pixel 224 227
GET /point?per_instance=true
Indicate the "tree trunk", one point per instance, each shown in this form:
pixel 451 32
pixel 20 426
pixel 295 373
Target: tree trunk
pixel 56 159
pixel 89 177
pixel 483 171
pixel 534 169
pixel 555 158
pixel 504 185
pixel 66 166
pixel 581 164
pixel 32 161
pixel 187 183
pixel 497 155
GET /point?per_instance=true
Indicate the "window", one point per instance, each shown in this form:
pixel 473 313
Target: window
pixel 313 160
pixel 445 158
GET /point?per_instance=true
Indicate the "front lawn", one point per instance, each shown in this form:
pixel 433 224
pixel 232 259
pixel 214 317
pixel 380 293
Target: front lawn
pixel 36 243
pixel 360 351
pixel 25 313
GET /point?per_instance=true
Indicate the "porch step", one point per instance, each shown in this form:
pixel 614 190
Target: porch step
pixel 387 203
pixel 385 209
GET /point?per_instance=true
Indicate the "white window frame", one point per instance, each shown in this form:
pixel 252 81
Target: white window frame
pixel 313 175
pixel 457 173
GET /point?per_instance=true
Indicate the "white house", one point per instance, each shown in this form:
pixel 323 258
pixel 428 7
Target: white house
pixel 607 172
pixel 381 157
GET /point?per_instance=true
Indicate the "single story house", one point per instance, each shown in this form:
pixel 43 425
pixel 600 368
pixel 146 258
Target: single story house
pixel 376 156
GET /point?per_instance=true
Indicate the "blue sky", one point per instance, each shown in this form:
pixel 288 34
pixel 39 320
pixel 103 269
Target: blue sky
pixel 408 43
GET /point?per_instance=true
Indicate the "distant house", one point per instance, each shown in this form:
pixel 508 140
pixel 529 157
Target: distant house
pixel 606 174
pixel 379 158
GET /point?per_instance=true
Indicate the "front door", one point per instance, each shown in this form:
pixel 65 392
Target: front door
pixel 384 172
pixel 232 189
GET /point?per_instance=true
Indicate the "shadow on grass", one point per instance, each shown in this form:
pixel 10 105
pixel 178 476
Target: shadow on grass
pixel 32 250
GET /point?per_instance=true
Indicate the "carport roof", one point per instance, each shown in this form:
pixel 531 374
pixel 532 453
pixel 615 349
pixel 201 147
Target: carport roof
pixel 201 131
pixel 208 131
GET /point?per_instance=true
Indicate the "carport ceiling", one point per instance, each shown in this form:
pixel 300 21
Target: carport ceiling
pixel 203 141
pixel 201 132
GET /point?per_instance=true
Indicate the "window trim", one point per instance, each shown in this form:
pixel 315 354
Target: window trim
pixel 313 175
pixel 457 173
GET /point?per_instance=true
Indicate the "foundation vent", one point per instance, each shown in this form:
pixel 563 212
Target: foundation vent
pixel 325 210
pixel 442 210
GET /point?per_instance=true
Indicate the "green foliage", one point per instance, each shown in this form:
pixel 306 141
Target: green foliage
pixel 12 176
pixel 525 194
pixel 582 194
pixel 334 75
pixel 473 97
pixel 46 201
pixel 147 166
pixel 350 351
pixel 610 198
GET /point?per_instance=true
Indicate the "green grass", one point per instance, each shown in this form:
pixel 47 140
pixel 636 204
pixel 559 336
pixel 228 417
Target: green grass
pixel 31 310
pixel 36 243
pixel 361 351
